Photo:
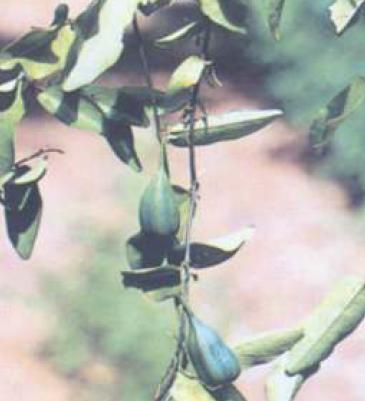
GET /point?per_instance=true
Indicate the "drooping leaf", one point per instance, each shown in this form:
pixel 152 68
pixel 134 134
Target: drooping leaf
pixel 265 347
pixel 60 14
pixel 343 12
pixel 81 110
pixel 188 389
pixel 225 127
pixel 7 153
pixel 120 138
pixel 41 52
pixel 229 14
pixel 338 315
pixel 32 175
pixel 23 209
pixel 182 198
pixel 187 74
pixel 336 112
pixel 213 252
pixel 187 31
pixel 275 11
pixel 146 251
pixel 282 387
pixel 148 7
pixel 152 279
pixel 101 26
pixel 118 104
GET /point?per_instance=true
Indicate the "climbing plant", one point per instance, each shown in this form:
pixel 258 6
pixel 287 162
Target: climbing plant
pixel 57 66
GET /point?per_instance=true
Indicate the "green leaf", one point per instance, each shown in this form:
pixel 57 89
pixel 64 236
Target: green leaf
pixel 265 347
pixel 7 153
pixel 101 26
pixel 187 74
pixel 336 112
pixel 213 252
pixel 118 104
pixel 224 127
pixel 33 174
pixel 187 31
pixel 343 12
pixel 152 279
pixel 282 387
pixel 338 315
pixel 41 52
pixel 148 7
pixel 182 199
pixel 275 11
pixel 146 251
pixel 23 210
pixel 121 141
pixel 229 14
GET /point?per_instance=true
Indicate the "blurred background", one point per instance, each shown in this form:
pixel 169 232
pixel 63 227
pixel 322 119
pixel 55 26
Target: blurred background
pixel 70 331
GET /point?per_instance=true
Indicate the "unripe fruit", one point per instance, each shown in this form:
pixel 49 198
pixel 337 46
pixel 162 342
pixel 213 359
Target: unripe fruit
pixel 215 364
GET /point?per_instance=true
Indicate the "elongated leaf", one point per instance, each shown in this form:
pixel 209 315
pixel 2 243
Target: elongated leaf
pixel 185 32
pixel 282 387
pixel 120 138
pixel 343 12
pixel 213 252
pixel 23 209
pixel 182 198
pixel 229 14
pixel 336 112
pixel 101 26
pixel 152 279
pixel 339 314
pixel 148 7
pixel 187 74
pixel 275 12
pixel 265 347
pixel 32 175
pixel 224 127
pixel 7 153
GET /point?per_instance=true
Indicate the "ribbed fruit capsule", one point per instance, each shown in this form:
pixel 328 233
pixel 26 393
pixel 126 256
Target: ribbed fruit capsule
pixel 215 364
pixel 158 211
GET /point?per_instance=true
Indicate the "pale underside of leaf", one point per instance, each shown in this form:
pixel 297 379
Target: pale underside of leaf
pixel 187 74
pixel 265 347
pixel 228 14
pixel 185 32
pixel 225 127
pixel 102 50
pixel 339 314
pixel 342 13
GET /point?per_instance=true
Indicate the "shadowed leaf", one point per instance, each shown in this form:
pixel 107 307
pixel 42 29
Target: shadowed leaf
pixel 275 11
pixel 148 7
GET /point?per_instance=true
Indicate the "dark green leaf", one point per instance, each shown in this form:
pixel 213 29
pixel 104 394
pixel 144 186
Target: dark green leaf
pixel 338 315
pixel 120 139
pixel 230 14
pixel 265 347
pixel 343 12
pixel 224 127
pixel 23 209
pixel 213 252
pixel 148 7
pixel 336 112
pixel 152 279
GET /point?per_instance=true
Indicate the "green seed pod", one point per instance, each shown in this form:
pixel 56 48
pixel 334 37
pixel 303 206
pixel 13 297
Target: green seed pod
pixel 215 364
pixel 158 211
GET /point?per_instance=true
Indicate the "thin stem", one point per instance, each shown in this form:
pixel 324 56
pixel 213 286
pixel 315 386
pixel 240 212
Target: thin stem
pixel 147 76
pixel 39 153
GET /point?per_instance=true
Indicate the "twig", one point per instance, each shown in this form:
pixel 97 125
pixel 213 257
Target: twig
pixel 39 153
pixel 148 76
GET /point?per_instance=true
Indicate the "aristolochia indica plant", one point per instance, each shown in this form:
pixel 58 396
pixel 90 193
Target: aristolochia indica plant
pixel 57 66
